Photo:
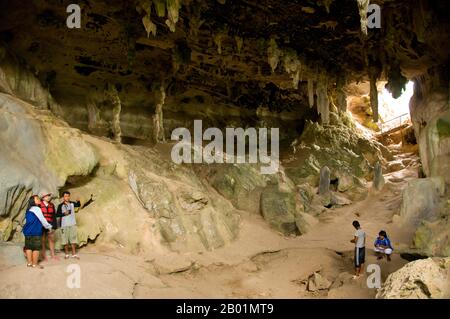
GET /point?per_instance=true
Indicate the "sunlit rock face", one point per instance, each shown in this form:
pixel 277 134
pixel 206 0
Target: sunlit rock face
pixel 136 70
pixel 421 279
pixel 430 111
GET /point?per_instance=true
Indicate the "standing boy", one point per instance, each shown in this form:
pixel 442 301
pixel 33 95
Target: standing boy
pixel 360 251
pixel 49 212
pixel 66 210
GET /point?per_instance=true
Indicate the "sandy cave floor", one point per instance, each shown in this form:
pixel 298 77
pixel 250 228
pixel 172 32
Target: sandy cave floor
pixel 259 264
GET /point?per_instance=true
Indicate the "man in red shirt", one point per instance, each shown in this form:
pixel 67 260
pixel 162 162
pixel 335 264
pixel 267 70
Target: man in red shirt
pixel 49 212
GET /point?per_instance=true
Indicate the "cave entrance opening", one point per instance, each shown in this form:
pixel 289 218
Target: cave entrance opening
pixel 394 112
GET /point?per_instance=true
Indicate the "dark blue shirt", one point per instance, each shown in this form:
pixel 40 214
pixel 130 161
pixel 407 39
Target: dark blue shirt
pixel 383 242
pixel 33 226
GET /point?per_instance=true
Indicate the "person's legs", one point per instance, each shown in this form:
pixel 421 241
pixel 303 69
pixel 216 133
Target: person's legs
pixel 73 238
pixel 357 263
pixel 388 252
pixel 29 255
pixel 51 244
pixel 378 253
pixel 35 258
pixel 65 241
pixel 362 258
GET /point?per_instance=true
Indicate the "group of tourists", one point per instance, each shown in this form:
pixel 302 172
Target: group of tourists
pixel 382 247
pixel 43 222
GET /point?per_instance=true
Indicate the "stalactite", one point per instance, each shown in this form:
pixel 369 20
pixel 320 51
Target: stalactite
pixel 363 6
pixel 327 4
pixel 173 9
pixel 239 43
pixel 374 97
pixel 396 81
pixel 292 66
pixel 160 7
pixel 149 26
pixel 158 128
pixel 311 92
pixel 374 74
pixel 112 95
pixel 273 54
pixel 323 103
pixel 341 96
pixel 218 41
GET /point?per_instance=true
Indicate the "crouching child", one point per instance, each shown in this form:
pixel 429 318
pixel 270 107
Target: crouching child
pixel 383 246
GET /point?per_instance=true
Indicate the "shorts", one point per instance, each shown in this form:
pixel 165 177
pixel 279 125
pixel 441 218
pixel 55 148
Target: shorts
pixel 360 256
pixel 386 251
pixel 33 243
pixel 69 235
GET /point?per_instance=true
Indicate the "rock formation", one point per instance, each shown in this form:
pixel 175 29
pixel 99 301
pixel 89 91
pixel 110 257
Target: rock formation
pixel 92 110
pixel 421 279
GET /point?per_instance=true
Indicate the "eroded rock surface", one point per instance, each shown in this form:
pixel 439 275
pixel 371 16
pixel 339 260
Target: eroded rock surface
pixel 421 279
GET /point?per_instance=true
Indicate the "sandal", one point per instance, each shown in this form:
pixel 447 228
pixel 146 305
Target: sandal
pixel 75 256
pixel 66 257
pixel 29 265
pixel 37 266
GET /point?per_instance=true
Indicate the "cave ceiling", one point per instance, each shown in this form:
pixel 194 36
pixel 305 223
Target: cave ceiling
pixel 219 48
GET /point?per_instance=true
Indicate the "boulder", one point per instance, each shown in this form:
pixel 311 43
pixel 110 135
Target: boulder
pixel 242 184
pixel 420 200
pixel 282 212
pixel 395 166
pixel 279 210
pixel 338 199
pixel 345 181
pixel 317 282
pixel 420 279
pixel 433 238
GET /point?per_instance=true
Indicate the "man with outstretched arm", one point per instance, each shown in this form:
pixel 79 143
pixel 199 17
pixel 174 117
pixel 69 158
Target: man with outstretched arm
pixel 66 210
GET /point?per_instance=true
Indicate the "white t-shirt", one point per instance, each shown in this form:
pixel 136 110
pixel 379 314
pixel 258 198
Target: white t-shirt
pixel 68 220
pixel 361 240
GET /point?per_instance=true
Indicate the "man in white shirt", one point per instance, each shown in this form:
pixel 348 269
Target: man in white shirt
pixel 360 248
pixel 66 210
